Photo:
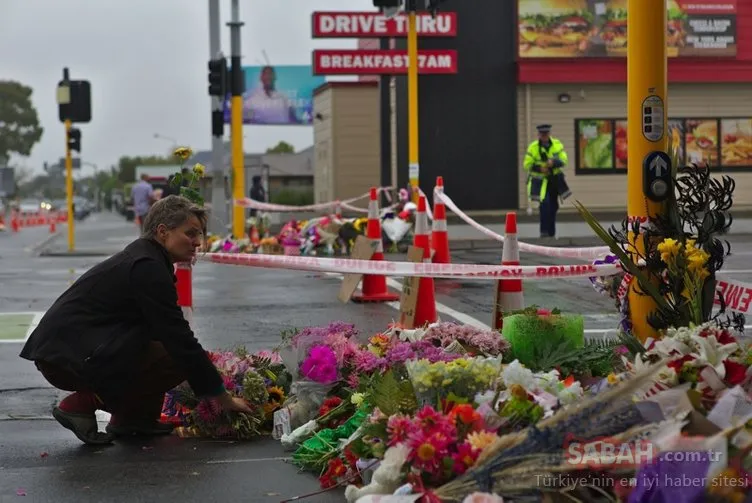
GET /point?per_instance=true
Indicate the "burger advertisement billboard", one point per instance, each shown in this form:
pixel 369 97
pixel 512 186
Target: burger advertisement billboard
pixel 598 28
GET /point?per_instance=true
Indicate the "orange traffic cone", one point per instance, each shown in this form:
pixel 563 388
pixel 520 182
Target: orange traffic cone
pixel 508 291
pixel 439 234
pixel 425 307
pixel 374 287
pixel 14 223
pixel 52 218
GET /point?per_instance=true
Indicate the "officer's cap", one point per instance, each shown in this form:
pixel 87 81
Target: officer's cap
pixel 543 128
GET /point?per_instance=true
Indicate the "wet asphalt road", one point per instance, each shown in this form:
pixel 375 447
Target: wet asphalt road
pixel 233 306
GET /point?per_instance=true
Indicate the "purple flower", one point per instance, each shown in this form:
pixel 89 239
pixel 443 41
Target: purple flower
pixel 400 353
pixel 366 362
pixel 321 365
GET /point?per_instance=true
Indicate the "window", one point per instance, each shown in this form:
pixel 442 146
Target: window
pixel 724 143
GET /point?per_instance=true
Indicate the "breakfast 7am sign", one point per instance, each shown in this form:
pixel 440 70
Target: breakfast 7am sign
pixel 381 62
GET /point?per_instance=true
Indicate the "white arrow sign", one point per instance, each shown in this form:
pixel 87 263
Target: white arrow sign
pixel 658 165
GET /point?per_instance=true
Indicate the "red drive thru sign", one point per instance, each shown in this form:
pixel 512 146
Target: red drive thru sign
pixel 375 24
pixel 391 62
pixel 381 62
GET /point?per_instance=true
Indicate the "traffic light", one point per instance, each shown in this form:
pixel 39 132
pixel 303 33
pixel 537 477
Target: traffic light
pixel 657 183
pixel 218 77
pixel 77 108
pixel 74 140
pixel 387 4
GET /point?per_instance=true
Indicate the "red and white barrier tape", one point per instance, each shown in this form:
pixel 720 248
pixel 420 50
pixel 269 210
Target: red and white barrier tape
pixel 737 295
pixel 590 253
pixel 411 269
pixel 258 205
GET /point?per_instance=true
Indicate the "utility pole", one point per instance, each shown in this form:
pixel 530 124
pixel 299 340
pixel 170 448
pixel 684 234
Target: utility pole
pixel 412 98
pixel 220 219
pixel 649 167
pixel 236 123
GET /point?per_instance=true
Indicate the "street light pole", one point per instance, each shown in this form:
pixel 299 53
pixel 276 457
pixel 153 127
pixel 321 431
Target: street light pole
pixel 219 217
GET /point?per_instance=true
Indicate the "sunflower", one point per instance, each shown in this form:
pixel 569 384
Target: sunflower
pixel 276 394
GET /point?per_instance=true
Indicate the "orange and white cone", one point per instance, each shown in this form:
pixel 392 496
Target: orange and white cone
pixel 373 286
pixel 439 234
pixel 425 307
pixel 52 218
pixel 184 287
pixel 509 291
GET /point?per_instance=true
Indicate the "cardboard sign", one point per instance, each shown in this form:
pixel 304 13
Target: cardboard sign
pixel 363 250
pixel 410 285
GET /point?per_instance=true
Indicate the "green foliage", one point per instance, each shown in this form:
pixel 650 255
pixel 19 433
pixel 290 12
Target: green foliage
pixel 392 395
pixel 281 148
pixel 19 122
pixel 293 197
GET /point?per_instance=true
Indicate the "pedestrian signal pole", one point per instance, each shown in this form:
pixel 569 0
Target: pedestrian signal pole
pixel 649 167
pixel 412 98
pixel 236 124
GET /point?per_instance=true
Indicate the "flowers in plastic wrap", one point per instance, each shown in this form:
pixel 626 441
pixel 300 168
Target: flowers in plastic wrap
pixel 463 377
pixel 254 378
pixel 707 356
pixel 315 357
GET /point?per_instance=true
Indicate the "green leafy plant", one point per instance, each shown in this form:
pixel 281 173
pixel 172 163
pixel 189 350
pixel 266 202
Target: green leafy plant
pixel 392 395
pixel 188 182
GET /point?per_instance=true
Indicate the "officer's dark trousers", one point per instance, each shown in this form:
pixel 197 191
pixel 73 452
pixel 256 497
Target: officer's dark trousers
pixel 548 209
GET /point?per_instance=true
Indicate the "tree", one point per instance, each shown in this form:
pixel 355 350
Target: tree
pixel 127 165
pixel 19 122
pixel 281 148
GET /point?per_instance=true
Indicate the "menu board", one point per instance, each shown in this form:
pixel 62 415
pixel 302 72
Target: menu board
pixel 736 142
pixel 595 144
pixel 598 28
pixel 724 143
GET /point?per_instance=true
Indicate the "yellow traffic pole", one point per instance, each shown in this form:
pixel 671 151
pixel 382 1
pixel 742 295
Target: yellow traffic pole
pixel 69 187
pixel 412 99
pixel 236 125
pixel 647 89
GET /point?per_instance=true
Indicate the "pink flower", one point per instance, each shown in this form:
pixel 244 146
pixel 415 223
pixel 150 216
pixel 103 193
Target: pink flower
pixel 321 365
pixel 399 428
pixel 206 411
pixel 464 458
pixel 431 421
pixel 366 362
pixel 427 451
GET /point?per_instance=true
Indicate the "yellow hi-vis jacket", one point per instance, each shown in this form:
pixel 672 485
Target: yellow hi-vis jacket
pixel 535 158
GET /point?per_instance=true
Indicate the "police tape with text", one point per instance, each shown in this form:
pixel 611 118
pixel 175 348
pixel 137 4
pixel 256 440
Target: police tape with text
pixel 410 269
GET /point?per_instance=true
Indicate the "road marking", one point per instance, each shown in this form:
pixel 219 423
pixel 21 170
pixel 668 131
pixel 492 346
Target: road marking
pixel 15 328
pixel 734 271
pixel 248 460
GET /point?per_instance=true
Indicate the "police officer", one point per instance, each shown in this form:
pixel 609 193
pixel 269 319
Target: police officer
pixel 544 161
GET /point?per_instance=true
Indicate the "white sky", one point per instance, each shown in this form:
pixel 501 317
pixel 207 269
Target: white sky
pixel 146 61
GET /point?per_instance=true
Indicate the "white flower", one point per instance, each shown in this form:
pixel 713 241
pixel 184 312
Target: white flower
pixel 516 373
pixel 671 346
pixel 571 394
pixel 711 352
pixel 548 382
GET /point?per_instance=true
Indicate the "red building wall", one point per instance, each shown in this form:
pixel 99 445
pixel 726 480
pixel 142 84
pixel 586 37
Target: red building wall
pixel 614 70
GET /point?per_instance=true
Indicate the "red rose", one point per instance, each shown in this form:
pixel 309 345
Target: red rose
pixel 679 363
pixel 735 372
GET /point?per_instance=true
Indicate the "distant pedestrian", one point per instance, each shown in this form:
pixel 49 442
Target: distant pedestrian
pixel 544 161
pixel 257 193
pixel 143 197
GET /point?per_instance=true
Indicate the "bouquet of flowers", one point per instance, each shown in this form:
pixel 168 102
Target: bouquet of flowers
pixel 255 378
pixel 452 382
pixel 315 357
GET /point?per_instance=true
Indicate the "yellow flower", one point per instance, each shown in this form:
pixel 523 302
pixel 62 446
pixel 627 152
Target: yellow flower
pixel 183 153
pixel 612 378
pixel 697 260
pixel 689 246
pixel 669 249
pixel 482 439
pixel 199 169
pixel 356 399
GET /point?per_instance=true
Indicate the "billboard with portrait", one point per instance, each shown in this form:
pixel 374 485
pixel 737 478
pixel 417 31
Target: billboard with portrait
pixel 278 95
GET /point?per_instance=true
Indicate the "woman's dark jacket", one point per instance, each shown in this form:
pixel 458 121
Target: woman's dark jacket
pixel 102 324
